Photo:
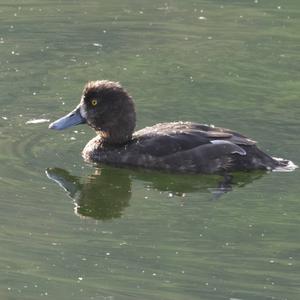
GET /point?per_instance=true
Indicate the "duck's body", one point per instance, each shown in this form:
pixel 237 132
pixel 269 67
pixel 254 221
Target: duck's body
pixel 178 146
pixel 182 147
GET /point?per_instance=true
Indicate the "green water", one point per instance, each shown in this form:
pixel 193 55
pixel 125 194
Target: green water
pixel 121 234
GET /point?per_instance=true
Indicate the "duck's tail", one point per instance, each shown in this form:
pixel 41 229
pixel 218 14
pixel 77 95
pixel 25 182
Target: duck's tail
pixel 284 165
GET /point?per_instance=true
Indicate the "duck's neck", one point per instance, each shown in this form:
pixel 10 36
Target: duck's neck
pixel 120 132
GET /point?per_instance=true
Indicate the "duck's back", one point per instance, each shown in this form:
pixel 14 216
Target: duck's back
pixel 183 147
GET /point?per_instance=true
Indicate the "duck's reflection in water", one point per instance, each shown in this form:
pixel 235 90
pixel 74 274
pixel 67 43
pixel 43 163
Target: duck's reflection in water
pixel 105 194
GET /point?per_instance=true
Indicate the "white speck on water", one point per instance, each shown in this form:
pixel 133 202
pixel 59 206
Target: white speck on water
pixel 107 254
pixel 4 118
pixel 201 18
pixel 170 195
pixel 72 138
pixel 106 232
pixel 37 121
pixel 278 7
pixel 154 274
pixel 97 45
pixel 271 261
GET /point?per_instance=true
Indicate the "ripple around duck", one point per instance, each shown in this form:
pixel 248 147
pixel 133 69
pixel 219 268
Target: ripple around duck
pixel 22 149
pixel 289 167
pixel 27 149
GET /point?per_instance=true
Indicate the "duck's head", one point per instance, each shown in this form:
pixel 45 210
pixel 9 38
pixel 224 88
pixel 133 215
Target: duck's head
pixel 107 108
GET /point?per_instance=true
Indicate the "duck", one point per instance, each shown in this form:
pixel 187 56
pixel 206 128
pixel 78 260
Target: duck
pixel 181 146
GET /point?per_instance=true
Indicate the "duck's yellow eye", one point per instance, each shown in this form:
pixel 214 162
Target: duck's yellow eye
pixel 94 102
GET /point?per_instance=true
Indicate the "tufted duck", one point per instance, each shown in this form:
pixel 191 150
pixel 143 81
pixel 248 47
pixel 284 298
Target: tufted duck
pixel 177 146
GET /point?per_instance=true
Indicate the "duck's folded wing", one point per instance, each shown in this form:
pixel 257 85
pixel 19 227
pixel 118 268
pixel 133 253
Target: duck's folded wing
pixel 159 145
pixel 211 132
pixel 209 158
pixel 166 144
pixel 231 136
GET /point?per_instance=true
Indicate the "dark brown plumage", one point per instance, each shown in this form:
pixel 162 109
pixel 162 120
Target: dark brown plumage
pixel 177 146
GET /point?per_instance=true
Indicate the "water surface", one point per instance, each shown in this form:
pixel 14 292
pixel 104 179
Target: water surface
pixel 131 234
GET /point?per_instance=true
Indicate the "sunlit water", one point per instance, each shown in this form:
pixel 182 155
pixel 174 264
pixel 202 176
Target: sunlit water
pixel 70 230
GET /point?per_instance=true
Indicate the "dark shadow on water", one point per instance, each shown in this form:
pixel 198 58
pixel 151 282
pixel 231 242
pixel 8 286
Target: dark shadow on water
pixel 105 194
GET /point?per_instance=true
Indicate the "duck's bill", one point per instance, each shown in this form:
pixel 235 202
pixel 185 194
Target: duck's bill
pixel 71 119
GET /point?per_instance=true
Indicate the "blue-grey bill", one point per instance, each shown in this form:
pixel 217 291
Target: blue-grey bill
pixel 71 119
